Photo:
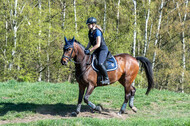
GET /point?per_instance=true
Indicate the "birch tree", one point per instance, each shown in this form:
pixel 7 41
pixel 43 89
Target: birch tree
pixel 6 37
pixel 5 49
pixel 135 26
pixel 134 32
pixel 48 43
pixel 63 3
pixel 146 28
pixel 39 47
pixel 15 27
pixel 183 46
pixel 75 13
pixel 118 5
pixel 150 33
pixel 105 9
pixel 157 33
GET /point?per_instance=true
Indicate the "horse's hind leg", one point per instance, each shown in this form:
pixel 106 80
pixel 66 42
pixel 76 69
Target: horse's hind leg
pixel 131 99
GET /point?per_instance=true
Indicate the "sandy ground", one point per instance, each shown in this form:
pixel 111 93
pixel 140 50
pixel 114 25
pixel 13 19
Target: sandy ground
pixel 42 114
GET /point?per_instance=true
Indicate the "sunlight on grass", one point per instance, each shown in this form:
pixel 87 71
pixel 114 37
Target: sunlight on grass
pixel 21 100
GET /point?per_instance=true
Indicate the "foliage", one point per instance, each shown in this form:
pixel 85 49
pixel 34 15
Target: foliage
pixel 40 35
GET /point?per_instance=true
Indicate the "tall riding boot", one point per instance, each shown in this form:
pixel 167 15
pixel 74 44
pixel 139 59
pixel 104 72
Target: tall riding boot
pixel 103 71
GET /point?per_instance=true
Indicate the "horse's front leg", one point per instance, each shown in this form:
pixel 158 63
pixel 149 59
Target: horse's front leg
pixel 89 103
pixel 81 93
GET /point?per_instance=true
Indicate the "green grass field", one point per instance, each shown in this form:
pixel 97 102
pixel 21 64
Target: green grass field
pixel 47 104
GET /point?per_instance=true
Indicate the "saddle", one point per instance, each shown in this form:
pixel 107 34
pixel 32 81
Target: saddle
pixel 110 63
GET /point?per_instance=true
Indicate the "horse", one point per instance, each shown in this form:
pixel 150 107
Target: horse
pixel 86 76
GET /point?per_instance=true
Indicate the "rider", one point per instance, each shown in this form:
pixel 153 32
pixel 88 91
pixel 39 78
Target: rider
pixel 96 39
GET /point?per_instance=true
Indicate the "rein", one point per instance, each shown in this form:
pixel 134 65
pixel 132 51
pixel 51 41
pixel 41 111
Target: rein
pixel 70 58
pixel 78 77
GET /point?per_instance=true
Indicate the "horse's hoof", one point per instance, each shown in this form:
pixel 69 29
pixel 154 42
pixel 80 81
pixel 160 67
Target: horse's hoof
pixel 99 109
pixel 74 114
pixel 119 114
pixel 134 109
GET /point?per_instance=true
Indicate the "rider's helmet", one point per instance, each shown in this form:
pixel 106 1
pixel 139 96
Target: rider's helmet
pixel 91 20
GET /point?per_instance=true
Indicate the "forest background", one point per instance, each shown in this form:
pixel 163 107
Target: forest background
pixel 32 37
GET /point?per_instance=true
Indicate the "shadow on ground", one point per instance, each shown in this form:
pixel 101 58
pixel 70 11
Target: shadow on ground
pixel 60 109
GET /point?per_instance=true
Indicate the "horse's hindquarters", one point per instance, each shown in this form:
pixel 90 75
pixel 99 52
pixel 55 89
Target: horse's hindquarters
pixel 127 69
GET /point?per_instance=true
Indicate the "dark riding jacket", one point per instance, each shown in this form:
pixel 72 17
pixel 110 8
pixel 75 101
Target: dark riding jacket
pixel 92 39
pixel 102 51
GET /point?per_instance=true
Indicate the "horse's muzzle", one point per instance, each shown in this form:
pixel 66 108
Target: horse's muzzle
pixel 63 61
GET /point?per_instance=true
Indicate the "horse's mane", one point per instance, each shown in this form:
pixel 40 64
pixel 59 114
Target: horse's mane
pixel 80 44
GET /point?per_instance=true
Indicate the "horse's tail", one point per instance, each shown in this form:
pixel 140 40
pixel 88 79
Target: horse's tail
pixel 149 72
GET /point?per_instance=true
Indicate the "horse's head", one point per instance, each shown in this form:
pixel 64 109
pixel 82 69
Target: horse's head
pixel 68 51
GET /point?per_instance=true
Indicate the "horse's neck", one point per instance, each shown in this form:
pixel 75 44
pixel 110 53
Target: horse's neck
pixel 80 56
pixel 81 59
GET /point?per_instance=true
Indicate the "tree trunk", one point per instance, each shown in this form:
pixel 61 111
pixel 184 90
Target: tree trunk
pixel 14 34
pixel 138 47
pixel 39 47
pixel 184 51
pixel 11 16
pixel 146 29
pixel 105 9
pixel 75 13
pixel 149 35
pixel 135 25
pixel 69 78
pixel 5 49
pixel 63 13
pixel 48 43
pixel 15 28
pixel 157 34
pixel 135 32
pixel 118 5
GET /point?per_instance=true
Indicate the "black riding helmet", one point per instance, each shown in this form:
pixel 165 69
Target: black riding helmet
pixel 91 20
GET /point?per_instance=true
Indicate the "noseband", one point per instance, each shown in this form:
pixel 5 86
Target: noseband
pixel 70 56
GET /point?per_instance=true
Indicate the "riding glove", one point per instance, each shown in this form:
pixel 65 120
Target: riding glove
pixel 87 52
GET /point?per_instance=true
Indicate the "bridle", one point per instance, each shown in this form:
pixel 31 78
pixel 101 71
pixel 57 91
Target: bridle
pixel 70 57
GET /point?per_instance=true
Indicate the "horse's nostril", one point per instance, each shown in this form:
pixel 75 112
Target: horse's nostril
pixel 63 62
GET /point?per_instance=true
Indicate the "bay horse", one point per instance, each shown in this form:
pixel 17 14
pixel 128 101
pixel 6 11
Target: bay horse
pixel 86 77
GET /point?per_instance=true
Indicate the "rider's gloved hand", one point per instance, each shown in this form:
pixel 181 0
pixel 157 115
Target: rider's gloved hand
pixel 87 52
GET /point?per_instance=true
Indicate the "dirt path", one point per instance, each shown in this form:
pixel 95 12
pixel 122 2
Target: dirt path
pixel 106 114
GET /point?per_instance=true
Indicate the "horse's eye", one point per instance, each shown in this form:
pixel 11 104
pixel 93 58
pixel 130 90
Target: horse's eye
pixel 69 49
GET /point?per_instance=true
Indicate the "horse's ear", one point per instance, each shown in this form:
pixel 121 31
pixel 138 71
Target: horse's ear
pixel 73 39
pixel 65 39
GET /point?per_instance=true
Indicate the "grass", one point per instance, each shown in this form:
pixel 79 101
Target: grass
pixel 21 100
pixel 112 122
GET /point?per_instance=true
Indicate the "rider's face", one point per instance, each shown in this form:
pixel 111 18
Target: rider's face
pixel 90 26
